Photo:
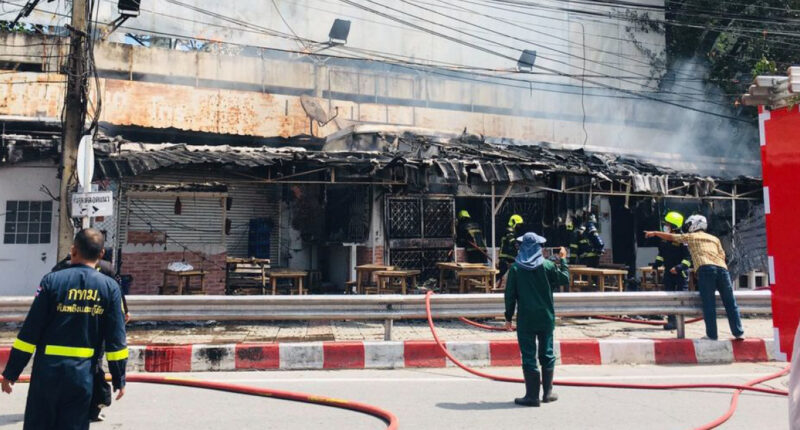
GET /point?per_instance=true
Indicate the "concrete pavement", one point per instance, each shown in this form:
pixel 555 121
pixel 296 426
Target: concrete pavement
pixel 445 399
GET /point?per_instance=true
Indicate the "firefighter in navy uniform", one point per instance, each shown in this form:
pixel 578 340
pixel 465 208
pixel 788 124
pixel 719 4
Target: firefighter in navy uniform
pixel 575 236
pixel 470 236
pixel 101 393
pixel 591 245
pixel 509 245
pixel 676 260
pixel 75 311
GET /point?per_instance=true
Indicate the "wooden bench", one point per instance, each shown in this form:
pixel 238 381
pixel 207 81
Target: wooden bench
pixel 246 276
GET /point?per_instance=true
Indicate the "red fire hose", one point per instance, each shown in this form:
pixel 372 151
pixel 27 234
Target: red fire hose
pixel 389 418
pixel 602 317
pixel 749 386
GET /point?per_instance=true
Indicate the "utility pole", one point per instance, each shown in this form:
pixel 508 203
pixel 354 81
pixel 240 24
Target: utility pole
pixel 75 119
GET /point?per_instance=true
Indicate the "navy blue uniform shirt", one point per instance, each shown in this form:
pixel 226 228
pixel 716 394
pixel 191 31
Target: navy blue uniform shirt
pixel 75 312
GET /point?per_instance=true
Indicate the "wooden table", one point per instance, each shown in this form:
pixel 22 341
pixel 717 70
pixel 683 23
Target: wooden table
pixel 296 276
pixel 184 281
pixel 482 278
pixel 364 275
pixel 618 278
pixel 396 277
pixel 450 266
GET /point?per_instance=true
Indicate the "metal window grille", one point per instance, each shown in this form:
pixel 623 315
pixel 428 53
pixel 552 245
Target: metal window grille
pixel 404 218
pixel 438 218
pixel 423 260
pixel 28 222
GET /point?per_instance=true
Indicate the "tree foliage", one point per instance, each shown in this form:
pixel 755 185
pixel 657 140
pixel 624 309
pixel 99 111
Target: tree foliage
pixel 740 39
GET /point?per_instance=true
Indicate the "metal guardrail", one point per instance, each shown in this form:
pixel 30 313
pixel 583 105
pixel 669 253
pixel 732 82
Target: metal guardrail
pixel 394 307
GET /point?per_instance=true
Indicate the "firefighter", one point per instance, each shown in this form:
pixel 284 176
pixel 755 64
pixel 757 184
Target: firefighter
pixel 676 260
pixel 509 244
pixel 575 236
pixel 529 292
pixel 591 244
pixel 470 237
pixel 74 312
pixel 101 392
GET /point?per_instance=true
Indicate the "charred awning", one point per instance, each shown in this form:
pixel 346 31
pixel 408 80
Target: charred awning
pixel 411 159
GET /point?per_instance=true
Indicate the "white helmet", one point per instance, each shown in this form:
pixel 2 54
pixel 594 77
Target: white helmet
pixel 696 222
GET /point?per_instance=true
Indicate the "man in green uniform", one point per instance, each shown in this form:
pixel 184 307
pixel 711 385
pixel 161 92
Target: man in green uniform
pixel 530 285
pixel 509 245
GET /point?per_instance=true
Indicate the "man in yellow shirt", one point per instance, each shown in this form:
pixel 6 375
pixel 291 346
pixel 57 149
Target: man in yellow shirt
pixel 712 273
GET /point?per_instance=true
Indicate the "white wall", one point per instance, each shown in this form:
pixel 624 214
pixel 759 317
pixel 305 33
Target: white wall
pixel 23 265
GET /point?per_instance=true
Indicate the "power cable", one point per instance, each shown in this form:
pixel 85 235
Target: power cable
pixel 516 49
pixel 531 14
pixel 650 78
pixel 555 72
pixel 500 55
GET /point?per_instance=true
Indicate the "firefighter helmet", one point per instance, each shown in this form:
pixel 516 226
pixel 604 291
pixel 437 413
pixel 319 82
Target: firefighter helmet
pixel 514 220
pixel 463 214
pixel 675 219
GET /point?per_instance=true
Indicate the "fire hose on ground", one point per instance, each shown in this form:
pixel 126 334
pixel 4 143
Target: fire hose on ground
pixel 602 317
pixel 389 418
pixel 748 386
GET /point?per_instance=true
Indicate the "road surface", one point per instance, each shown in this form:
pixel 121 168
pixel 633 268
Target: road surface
pixel 443 399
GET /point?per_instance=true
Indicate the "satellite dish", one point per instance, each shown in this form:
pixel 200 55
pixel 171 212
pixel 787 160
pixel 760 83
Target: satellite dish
pixel 313 109
pixel 86 162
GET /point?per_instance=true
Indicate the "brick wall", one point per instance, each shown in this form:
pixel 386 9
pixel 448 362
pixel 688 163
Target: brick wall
pixel 139 237
pixel 607 257
pixel 147 269
pixel 364 255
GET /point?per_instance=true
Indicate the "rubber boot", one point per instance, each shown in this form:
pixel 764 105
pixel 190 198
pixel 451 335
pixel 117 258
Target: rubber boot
pixel 547 386
pixel 672 322
pixel 532 384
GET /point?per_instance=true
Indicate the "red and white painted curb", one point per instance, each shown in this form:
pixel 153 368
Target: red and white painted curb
pixel 411 354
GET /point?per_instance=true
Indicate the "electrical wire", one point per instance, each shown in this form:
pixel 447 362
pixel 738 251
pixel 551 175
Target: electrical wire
pixel 634 94
pixel 567 75
pixel 522 40
pixel 424 65
pixel 719 29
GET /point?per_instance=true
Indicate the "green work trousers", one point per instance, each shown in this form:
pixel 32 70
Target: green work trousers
pixel 528 347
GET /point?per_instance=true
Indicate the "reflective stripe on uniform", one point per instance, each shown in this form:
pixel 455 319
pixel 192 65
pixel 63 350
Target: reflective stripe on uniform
pixel 122 354
pixel 69 351
pixel 23 346
pixel 573 245
pixel 686 263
